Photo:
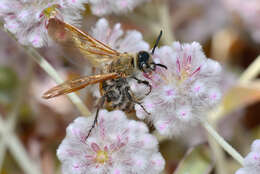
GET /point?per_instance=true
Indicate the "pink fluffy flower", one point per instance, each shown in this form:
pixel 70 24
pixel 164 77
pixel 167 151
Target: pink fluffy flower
pixel 129 41
pixel 103 7
pixel 116 145
pixel 27 19
pixel 252 160
pixel 184 92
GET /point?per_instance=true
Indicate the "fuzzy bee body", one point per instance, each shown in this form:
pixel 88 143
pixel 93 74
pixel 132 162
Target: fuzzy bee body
pixel 124 65
pixel 116 68
pixel 118 94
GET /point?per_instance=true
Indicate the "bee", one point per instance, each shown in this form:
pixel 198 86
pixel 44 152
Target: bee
pixel 116 68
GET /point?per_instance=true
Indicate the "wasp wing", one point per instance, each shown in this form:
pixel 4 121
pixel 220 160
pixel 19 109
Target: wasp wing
pixel 76 84
pixel 97 53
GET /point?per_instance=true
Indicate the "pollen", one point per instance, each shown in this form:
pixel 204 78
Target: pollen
pixel 101 157
pixel 51 11
pixel 184 75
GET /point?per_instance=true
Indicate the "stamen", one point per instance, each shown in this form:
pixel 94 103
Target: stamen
pixel 50 11
pixel 102 157
pixel 189 60
pixel 194 72
pixel 178 65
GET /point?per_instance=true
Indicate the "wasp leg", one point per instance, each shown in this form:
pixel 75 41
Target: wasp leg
pixel 129 96
pixel 100 105
pixel 145 83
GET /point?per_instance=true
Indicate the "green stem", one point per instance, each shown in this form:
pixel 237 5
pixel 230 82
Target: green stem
pixel 217 152
pixel 55 76
pixel 2 153
pixel 10 140
pixel 251 72
pixel 52 73
pixel 21 93
pixel 166 23
pixel 12 116
pixel 227 147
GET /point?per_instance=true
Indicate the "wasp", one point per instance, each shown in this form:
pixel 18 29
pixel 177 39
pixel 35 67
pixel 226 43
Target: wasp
pixel 116 68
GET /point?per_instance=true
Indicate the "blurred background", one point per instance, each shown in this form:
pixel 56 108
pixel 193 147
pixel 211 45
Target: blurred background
pixel 228 30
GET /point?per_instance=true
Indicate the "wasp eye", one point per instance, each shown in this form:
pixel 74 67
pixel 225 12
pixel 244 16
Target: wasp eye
pixel 143 56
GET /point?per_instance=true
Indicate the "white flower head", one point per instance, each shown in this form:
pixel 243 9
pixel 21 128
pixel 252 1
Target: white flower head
pixel 104 7
pixel 184 92
pixel 116 145
pixel 252 160
pixel 28 19
pixel 130 41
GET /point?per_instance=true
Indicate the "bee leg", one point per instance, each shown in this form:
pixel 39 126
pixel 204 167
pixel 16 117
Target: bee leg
pixel 100 105
pixel 145 83
pixel 129 96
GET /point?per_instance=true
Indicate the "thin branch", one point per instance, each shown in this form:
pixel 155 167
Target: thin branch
pixel 21 93
pixel 227 147
pixel 17 149
pixel 55 76
pixel 251 72
pixel 52 73
pixel 2 153
pixel 218 153
pixel 12 116
pixel 20 155
pixel 166 22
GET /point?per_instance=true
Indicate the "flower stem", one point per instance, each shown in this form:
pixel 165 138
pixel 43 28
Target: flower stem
pixel 251 72
pixel 227 147
pixel 166 22
pixel 53 73
pixel 34 54
pixel 2 153
pixel 10 140
pixel 20 96
pixel 217 152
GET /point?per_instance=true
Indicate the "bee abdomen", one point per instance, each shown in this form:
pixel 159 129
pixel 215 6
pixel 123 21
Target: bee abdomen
pixel 117 98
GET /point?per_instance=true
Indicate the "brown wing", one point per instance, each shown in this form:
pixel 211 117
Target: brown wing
pixel 69 36
pixel 76 84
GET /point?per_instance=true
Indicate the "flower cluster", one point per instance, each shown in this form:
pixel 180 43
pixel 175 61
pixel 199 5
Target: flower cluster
pixel 131 41
pixel 252 160
pixel 116 145
pixel 103 7
pixel 184 92
pixel 249 12
pixel 27 19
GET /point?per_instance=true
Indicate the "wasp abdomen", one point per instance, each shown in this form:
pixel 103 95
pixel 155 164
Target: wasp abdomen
pixel 116 94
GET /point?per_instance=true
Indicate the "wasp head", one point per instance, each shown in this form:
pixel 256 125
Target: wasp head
pixel 145 62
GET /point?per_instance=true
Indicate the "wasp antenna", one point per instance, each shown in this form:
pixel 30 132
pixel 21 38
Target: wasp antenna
pixel 161 65
pixel 157 42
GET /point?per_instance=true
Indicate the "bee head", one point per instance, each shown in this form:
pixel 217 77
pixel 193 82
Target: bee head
pixel 144 60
